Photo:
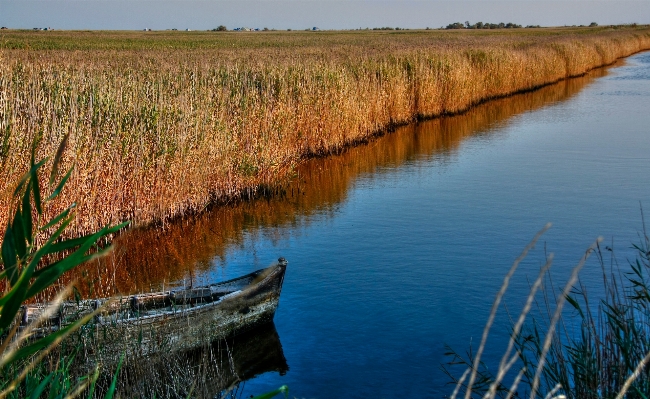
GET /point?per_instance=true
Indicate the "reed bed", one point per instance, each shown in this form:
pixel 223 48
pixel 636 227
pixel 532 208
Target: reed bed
pixel 162 125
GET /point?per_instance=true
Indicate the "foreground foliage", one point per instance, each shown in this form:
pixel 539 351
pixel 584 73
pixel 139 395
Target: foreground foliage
pixel 34 256
pixel 31 249
pixel 601 350
pixel 608 353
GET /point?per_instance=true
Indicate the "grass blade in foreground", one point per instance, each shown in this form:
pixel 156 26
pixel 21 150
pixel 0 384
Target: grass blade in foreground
pixel 607 355
pixel 25 277
pixel 283 389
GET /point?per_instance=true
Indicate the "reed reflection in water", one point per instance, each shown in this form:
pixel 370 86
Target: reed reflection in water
pixel 149 259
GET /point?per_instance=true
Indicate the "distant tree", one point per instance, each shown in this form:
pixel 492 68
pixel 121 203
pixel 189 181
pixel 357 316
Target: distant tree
pixel 456 25
pixel 593 24
pixel 222 28
pixel 486 25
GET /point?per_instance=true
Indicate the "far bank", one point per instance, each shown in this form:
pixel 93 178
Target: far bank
pixel 162 124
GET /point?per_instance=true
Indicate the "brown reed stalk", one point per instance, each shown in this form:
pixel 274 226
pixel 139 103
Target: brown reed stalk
pixel 492 384
pixel 161 126
pixel 495 306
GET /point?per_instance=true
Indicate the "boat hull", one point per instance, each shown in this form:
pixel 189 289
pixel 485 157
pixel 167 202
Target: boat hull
pixel 142 325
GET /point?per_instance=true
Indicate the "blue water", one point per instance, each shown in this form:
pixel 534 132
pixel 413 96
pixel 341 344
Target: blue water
pixel 411 256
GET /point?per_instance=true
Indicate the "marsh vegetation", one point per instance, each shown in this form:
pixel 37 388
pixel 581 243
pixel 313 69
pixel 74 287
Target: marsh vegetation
pixel 596 348
pixel 162 124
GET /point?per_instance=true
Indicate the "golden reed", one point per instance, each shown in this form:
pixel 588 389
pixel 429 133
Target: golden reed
pixel 170 124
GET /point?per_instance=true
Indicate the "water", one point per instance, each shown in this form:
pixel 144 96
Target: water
pixel 399 246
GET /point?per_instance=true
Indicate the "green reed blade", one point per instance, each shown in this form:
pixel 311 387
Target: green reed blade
pixel 283 389
pixel 59 187
pixel 36 393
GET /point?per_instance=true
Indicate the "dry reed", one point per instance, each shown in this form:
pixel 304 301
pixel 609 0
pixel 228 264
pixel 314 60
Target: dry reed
pixel 161 126
pixel 487 386
pixel 600 350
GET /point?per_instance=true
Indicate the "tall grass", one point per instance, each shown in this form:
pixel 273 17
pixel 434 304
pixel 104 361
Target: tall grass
pixel 603 352
pixel 161 126
pixel 599 350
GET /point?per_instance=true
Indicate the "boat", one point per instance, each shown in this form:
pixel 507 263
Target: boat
pixel 172 320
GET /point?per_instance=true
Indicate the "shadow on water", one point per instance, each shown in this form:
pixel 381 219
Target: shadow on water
pixel 146 259
pixel 217 370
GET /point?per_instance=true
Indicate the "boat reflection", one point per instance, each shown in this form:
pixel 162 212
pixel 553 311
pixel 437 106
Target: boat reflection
pixel 217 370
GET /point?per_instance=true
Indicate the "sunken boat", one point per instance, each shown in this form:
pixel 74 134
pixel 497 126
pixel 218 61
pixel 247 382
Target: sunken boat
pixel 172 320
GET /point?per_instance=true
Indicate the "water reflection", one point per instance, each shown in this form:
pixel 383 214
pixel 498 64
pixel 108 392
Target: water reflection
pixel 146 259
pixel 215 371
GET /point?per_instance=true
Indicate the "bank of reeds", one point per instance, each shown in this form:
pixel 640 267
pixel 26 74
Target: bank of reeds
pixel 168 125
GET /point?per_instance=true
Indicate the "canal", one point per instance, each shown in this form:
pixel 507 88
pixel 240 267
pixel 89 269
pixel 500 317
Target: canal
pixel 398 246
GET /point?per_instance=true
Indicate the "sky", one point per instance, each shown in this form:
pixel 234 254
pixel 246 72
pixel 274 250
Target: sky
pixel 301 14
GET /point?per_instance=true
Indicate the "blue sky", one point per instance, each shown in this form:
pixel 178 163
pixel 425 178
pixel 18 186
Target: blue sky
pixel 300 14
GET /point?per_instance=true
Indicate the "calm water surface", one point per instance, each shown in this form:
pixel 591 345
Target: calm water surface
pixel 398 247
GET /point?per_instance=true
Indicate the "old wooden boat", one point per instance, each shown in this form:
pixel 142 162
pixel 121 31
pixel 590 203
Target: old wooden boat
pixel 173 320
